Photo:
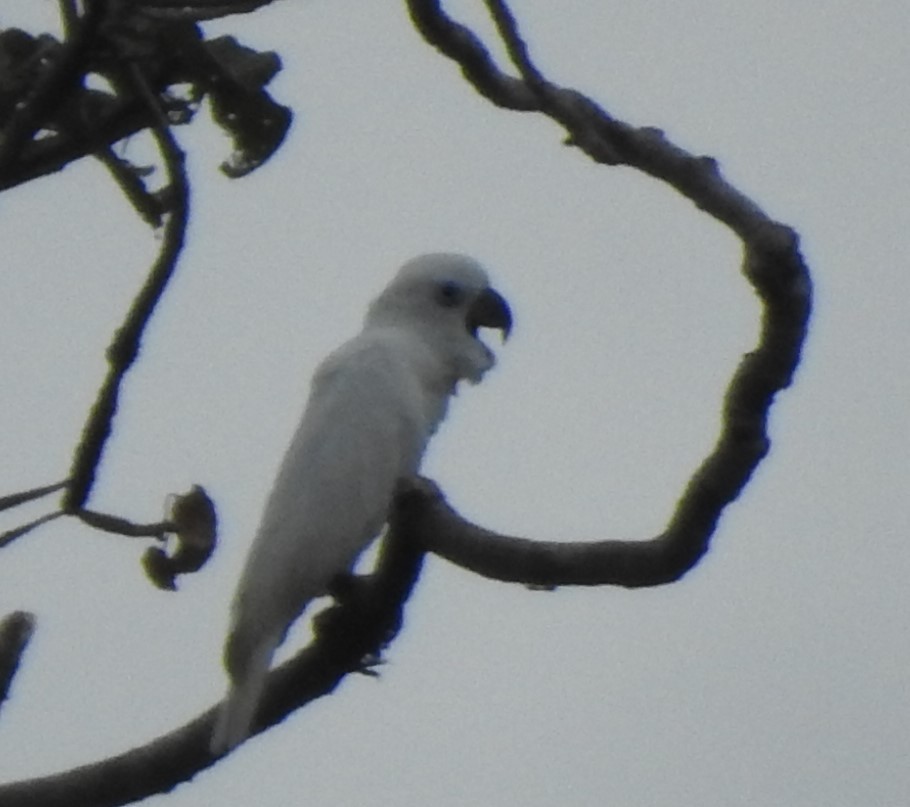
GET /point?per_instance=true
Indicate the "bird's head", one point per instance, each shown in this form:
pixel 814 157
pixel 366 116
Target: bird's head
pixel 447 299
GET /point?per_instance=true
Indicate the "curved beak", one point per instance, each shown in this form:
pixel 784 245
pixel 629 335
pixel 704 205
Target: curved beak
pixel 489 310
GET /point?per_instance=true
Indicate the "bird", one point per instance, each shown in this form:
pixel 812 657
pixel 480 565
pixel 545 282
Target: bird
pixel 373 405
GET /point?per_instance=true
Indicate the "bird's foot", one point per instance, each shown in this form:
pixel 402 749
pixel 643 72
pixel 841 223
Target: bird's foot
pixel 369 665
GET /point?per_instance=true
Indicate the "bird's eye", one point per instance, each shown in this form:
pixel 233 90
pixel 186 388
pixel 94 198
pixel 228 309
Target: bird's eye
pixel 449 294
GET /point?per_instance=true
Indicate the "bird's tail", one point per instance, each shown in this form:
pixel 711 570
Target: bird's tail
pixel 237 711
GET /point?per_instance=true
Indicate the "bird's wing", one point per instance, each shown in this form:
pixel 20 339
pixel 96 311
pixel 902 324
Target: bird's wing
pixel 365 426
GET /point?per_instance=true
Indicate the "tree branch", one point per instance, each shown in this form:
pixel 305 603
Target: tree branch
pixel 54 152
pixel 125 347
pixel 9 536
pixel 461 44
pixel 773 265
pixel 54 87
pixel 15 499
pixel 359 627
pixel 16 630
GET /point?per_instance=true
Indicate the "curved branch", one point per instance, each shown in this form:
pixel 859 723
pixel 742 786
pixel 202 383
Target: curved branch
pixel 773 265
pixel 125 347
pixel 358 628
pixel 461 44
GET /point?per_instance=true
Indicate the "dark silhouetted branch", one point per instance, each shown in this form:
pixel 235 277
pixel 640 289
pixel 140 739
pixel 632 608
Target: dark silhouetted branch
pixel 54 152
pixel 62 75
pixel 15 499
pixel 9 536
pixel 15 631
pixel 773 265
pixel 125 347
pixel 459 43
pixel 122 526
pixel 356 629
pixel 47 88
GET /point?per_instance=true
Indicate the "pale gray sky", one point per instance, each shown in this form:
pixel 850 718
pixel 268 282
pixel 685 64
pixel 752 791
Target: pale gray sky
pixel 775 673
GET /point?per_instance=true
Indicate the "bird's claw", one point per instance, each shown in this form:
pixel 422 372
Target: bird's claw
pixel 369 664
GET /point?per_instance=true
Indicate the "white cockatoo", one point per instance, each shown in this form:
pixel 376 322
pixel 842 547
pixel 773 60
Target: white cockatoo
pixel 374 403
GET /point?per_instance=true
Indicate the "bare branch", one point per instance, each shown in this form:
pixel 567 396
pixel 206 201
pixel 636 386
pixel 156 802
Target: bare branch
pixel 773 265
pixel 16 630
pixel 60 77
pixel 15 499
pixel 515 45
pixel 125 347
pixel 122 526
pixel 357 628
pixel 52 153
pixel 9 536
pixel 179 64
pixel 459 42
pixel 128 177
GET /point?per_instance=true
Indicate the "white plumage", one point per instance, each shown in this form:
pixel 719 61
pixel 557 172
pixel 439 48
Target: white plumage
pixel 374 403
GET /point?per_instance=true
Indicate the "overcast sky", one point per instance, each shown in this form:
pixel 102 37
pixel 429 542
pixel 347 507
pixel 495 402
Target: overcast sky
pixel 775 673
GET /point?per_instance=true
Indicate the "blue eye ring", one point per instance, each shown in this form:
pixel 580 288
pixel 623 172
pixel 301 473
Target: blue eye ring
pixel 449 294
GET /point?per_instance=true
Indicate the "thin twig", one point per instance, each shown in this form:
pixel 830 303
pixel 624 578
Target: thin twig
pixel 515 45
pixel 129 179
pixel 126 344
pixel 461 44
pixel 15 499
pixel 121 526
pixel 9 536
